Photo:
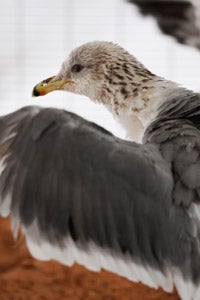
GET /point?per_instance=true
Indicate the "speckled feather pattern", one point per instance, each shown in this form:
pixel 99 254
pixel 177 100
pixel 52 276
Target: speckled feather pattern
pixel 82 194
pixel 115 78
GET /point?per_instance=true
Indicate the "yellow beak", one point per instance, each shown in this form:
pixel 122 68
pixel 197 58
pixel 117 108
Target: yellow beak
pixel 49 85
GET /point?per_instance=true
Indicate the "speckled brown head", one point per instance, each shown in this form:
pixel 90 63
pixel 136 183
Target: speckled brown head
pixel 106 73
pixel 99 70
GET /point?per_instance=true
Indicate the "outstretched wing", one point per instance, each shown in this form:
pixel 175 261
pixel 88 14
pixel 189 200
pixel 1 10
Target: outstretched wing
pixel 81 194
pixel 180 19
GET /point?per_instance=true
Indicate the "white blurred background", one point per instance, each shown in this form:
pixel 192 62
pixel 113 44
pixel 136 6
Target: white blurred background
pixel 37 35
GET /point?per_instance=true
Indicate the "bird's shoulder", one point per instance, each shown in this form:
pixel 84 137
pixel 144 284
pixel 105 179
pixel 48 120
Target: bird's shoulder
pixel 179 144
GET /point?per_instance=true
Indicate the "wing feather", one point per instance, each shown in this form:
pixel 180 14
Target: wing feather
pixel 81 194
pixel 180 19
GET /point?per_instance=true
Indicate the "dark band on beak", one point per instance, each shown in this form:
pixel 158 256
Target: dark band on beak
pixel 49 85
pixel 35 92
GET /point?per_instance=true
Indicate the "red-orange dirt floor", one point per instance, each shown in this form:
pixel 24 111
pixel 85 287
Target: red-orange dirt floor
pixel 25 278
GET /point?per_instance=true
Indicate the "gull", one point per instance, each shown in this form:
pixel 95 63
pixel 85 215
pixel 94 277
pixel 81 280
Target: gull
pixel 109 75
pixel 82 195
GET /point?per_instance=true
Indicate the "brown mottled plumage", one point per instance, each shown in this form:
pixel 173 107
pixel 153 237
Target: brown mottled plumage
pixel 108 74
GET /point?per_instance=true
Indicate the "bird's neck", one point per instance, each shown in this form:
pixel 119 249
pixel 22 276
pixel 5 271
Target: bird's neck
pixel 137 111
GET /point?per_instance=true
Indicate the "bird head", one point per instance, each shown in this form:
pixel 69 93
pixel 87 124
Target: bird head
pixel 101 71
pixel 110 75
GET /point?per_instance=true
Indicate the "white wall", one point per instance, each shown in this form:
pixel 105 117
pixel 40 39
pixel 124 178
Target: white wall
pixel 36 36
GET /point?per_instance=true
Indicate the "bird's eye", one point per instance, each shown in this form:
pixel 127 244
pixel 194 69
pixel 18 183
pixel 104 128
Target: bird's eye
pixel 76 68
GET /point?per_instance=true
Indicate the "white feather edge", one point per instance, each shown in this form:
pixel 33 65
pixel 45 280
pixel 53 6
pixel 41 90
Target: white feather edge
pixel 96 258
pixel 4 203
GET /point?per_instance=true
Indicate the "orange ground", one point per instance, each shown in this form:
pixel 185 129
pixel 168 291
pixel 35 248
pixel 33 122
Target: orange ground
pixel 24 278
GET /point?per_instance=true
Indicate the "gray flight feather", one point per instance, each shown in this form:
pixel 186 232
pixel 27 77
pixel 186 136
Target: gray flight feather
pixel 74 179
pixel 178 18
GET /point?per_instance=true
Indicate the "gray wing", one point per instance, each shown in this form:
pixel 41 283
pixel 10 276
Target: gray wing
pixel 81 194
pixel 179 19
pixel 179 143
pixel 177 131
